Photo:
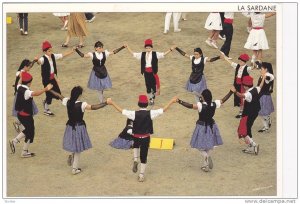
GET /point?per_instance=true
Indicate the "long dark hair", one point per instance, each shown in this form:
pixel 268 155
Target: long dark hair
pixel 25 62
pixel 198 49
pixel 268 66
pixel 207 96
pixel 75 93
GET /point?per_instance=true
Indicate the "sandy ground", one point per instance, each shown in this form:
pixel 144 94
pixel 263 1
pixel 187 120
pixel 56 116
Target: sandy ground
pixel 107 171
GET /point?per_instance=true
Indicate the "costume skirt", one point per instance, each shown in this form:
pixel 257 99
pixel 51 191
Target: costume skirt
pixel 199 87
pixel 213 22
pixel 120 143
pixel 96 83
pixel 257 40
pixel 266 105
pixel 205 137
pixel 76 139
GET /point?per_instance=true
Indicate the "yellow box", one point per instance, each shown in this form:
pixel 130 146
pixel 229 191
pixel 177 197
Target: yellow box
pixel 161 143
pixel 8 20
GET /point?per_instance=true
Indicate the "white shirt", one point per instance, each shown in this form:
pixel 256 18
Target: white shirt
pixel 83 105
pixel 197 61
pixel 28 93
pixel 99 56
pixel 240 71
pixel 257 20
pixel 271 77
pixel 229 15
pixel 138 55
pixel 248 95
pixel 199 105
pixel 153 113
pixel 56 56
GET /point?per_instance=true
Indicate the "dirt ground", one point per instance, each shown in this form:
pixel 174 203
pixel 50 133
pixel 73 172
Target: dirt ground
pixel 107 171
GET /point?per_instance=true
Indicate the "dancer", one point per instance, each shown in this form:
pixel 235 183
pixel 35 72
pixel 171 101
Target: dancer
pixel 197 82
pixel 142 129
pixel 265 99
pixel 99 78
pixel 125 139
pixel 25 111
pixel 76 138
pixel 64 19
pixel 176 17
pixel 49 73
pixel 23 23
pixel 241 69
pixel 250 112
pixel 206 134
pixel 228 32
pixel 25 66
pixel 257 40
pixel 214 24
pixel 149 67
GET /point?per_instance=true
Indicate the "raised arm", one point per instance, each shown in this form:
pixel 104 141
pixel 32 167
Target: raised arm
pixel 67 53
pixel 225 98
pixel 170 50
pixel 240 95
pixel 213 59
pixel 82 54
pixel 117 50
pixel 182 52
pixel 128 48
pixel 262 81
pixel 223 56
pixel 61 97
pixel 173 100
pixel 267 15
pixel 110 102
pixel 39 92
pixel 187 105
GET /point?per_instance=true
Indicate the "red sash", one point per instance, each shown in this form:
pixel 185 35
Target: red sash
pixel 228 20
pixel 242 129
pixel 22 113
pixel 52 76
pixel 141 135
pixel 148 69
pixel 258 28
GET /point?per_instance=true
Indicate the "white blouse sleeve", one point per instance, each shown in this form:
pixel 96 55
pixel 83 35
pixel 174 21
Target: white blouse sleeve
pixel 28 94
pixel 156 113
pixel 83 106
pixel 129 114
pixel 137 55
pixel 90 55
pixel 233 64
pixel 218 103
pixel 199 105
pixel 205 59
pixel 41 60
pixel 58 56
pixel 106 53
pixel 248 96
pixel 64 101
pixel 271 78
pixel 160 55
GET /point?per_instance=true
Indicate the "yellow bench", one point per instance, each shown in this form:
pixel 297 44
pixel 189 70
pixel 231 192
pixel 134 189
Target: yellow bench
pixel 8 20
pixel 161 143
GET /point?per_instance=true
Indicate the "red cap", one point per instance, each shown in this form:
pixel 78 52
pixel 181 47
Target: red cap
pixel 148 42
pixel 244 57
pixel 247 80
pixel 46 45
pixel 143 99
pixel 26 77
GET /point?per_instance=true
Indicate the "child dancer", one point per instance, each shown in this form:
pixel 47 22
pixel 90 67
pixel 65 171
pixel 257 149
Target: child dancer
pixel 250 112
pixel 99 78
pixel 142 128
pixel 265 99
pixel 197 82
pixel 214 24
pixel 76 138
pixel 206 134
pixel 228 32
pixel 149 67
pixel 241 70
pixel 49 72
pixel 125 139
pixel 25 66
pixel 176 17
pixel 257 40
pixel 24 108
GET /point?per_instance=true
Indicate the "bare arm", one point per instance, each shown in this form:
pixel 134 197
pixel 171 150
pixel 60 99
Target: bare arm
pixel 173 100
pixel 267 15
pixel 262 81
pixel 39 92
pixel 68 53
pixel 128 48
pixel 110 102
pixel 170 50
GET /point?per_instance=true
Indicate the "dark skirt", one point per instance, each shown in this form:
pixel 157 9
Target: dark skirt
pixel 76 139
pixel 205 137
pixel 266 105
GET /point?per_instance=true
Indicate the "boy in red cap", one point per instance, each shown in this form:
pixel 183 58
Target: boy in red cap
pixel 142 128
pixel 149 67
pixel 250 112
pixel 241 70
pixel 49 72
pixel 24 108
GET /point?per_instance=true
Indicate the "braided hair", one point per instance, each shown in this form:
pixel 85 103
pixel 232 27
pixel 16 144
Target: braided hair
pixel 207 96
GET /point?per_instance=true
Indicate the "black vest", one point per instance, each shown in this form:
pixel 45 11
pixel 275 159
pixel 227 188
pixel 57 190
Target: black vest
pixel 46 69
pixel 253 107
pixel 197 71
pixel 21 103
pixel 154 62
pixel 245 73
pixel 265 90
pixel 206 115
pixel 97 62
pixel 75 114
pixel 16 84
pixel 142 123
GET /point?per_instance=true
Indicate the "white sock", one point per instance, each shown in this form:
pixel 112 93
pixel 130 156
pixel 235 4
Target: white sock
pixel 76 160
pixel 265 120
pixel 143 168
pixel 46 107
pixel 205 155
pixel 250 141
pixel 101 96
pixel 149 95
pixel 18 138
pixel 209 152
pixel 25 147
pixel 135 154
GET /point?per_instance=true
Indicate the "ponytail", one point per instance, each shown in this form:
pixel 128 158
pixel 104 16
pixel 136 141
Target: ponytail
pixel 207 96
pixel 75 93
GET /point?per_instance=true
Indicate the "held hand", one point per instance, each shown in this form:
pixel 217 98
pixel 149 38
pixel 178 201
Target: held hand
pixel 174 99
pixel 36 58
pixel 49 86
pixel 233 89
pixel 173 47
pixel 109 101
pixel 125 45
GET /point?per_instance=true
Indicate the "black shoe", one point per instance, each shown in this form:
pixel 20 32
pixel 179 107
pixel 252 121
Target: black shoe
pixel 264 130
pixel 12 147
pixel 238 116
